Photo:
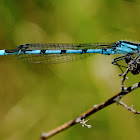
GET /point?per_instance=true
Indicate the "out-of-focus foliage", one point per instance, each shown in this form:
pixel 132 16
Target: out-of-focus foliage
pixel 37 98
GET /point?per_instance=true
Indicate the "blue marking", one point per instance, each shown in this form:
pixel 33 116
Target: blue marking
pixel 53 51
pixel 101 51
pixel 2 52
pixel 129 46
pixel 74 51
pixel 94 51
pixel 124 50
pixel 33 52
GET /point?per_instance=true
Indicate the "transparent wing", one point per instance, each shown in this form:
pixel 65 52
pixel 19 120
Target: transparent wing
pixel 57 58
pixel 51 58
pixel 35 46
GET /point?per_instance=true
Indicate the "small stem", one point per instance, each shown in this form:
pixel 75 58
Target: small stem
pixel 128 108
pixel 124 77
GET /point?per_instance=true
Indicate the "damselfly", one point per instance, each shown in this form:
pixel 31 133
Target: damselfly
pixel 58 53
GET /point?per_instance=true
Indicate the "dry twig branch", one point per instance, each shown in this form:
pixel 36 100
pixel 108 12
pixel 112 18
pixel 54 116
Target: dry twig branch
pixel 95 109
pixel 128 108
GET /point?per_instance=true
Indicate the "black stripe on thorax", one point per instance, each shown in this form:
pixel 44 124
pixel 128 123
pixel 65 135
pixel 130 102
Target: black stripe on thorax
pixel 131 43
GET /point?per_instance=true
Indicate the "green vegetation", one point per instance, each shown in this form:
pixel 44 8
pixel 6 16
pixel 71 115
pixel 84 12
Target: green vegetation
pixel 36 98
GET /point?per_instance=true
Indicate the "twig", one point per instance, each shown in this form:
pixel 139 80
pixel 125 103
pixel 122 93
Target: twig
pixel 124 78
pixel 128 108
pixel 89 112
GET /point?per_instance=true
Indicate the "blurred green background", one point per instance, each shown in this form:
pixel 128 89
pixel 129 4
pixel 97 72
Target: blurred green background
pixel 36 98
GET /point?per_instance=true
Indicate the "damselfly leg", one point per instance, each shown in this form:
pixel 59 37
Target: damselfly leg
pixel 120 58
pixel 133 65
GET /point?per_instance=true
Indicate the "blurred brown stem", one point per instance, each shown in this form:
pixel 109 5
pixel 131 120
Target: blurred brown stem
pixel 96 108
